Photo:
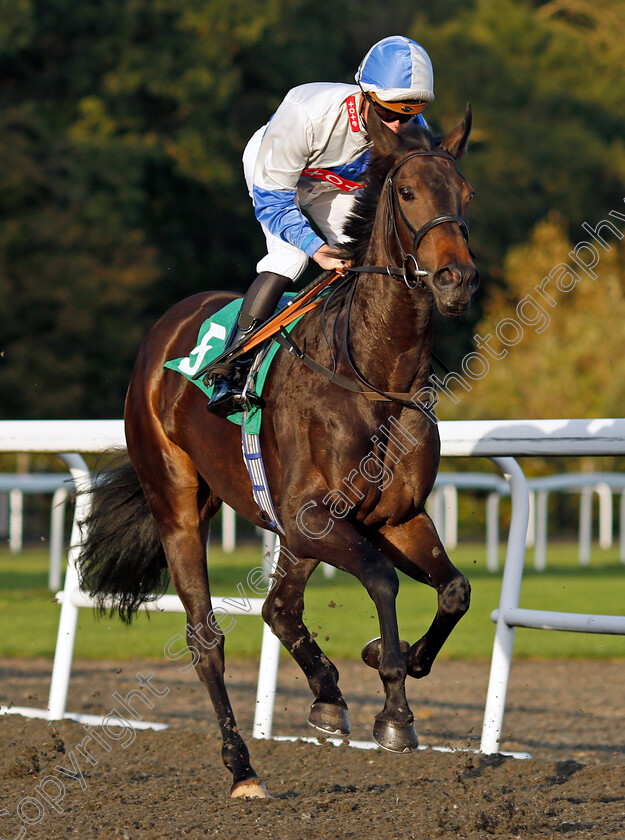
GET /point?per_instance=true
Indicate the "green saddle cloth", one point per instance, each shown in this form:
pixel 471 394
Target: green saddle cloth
pixel 210 344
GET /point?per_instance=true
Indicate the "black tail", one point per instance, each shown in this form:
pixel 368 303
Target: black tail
pixel 122 563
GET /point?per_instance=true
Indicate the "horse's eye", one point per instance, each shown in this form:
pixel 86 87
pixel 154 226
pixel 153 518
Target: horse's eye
pixel 406 193
pixel 471 196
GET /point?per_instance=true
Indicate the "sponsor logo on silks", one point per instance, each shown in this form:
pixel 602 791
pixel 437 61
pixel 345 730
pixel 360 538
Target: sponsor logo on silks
pixel 332 178
pixel 352 113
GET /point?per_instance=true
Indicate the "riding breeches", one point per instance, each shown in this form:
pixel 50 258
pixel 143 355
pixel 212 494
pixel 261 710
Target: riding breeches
pixel 326 207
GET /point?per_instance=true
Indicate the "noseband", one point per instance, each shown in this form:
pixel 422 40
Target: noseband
pixel 393 207
pixel 390 228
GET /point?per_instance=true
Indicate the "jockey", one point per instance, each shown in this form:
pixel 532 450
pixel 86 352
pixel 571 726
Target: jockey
pixel 308 162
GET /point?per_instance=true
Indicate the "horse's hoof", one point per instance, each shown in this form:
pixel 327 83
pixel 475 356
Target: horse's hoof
pixel 329 719
pixel 250 788
pixel 394 738
pixel 372 652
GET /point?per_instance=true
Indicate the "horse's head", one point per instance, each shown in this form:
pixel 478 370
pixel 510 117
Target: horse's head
pixel 425 201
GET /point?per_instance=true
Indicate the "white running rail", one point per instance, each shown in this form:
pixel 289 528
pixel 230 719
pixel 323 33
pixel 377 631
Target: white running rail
pixel 83 436
pixel 499 440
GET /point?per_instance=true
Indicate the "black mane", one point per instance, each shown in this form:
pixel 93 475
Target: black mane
pixel 359 225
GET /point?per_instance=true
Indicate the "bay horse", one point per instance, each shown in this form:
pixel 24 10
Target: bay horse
pixel 152 516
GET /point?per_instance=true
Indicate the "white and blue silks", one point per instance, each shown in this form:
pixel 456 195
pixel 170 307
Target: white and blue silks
pixel 317 127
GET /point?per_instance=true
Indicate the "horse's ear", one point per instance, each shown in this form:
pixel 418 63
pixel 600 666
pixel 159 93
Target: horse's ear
pixel 458 138
pixel 385 142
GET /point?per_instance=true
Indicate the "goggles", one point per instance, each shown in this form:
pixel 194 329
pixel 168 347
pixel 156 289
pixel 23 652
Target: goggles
pixel 393 111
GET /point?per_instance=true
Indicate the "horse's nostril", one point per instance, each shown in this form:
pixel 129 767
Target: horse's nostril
pixel 446 277
pixel 453 278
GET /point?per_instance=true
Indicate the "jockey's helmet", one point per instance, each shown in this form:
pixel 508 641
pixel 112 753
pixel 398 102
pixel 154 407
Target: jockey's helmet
pixel 397 73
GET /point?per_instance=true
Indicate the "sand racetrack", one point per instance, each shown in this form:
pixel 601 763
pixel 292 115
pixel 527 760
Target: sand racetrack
pixel 570 715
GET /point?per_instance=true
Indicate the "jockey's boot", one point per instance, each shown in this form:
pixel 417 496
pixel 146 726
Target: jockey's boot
pixel 258 305
pixel 227 396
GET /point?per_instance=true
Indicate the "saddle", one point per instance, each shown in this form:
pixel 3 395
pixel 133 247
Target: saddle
pixel 208 357
pixel 206 360
pixel 303 302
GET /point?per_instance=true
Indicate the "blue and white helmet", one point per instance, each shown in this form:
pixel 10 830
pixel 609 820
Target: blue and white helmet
pixel 397 70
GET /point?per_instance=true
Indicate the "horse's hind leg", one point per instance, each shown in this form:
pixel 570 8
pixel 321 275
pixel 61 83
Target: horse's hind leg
pixel 347 549
pixel 182 509
pixel 283 611
pixel 416 550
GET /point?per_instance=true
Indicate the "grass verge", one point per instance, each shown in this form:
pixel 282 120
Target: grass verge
pixel 337 609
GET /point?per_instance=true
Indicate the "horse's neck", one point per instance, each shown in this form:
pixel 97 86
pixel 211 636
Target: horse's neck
pixel 391 332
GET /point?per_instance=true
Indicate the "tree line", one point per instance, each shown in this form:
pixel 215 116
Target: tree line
pixel 121 189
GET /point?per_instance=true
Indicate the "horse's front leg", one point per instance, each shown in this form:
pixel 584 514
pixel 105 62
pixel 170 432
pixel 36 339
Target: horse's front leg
pixel 347 549
pixel 416 550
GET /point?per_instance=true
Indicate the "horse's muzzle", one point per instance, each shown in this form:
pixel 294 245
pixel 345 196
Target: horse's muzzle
pixel 453 287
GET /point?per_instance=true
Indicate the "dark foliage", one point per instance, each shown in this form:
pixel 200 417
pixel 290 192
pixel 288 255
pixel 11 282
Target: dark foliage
pixel 121 131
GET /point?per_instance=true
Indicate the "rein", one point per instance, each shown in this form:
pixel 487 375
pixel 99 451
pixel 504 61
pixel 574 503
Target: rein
pixel 285 340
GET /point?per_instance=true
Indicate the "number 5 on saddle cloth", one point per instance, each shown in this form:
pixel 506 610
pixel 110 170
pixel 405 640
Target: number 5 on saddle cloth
pixel 208 352
pixel 209 347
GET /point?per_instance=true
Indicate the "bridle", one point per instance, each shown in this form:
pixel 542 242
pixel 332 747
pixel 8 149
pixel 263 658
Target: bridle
pixel 393 206
pixel 391 232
